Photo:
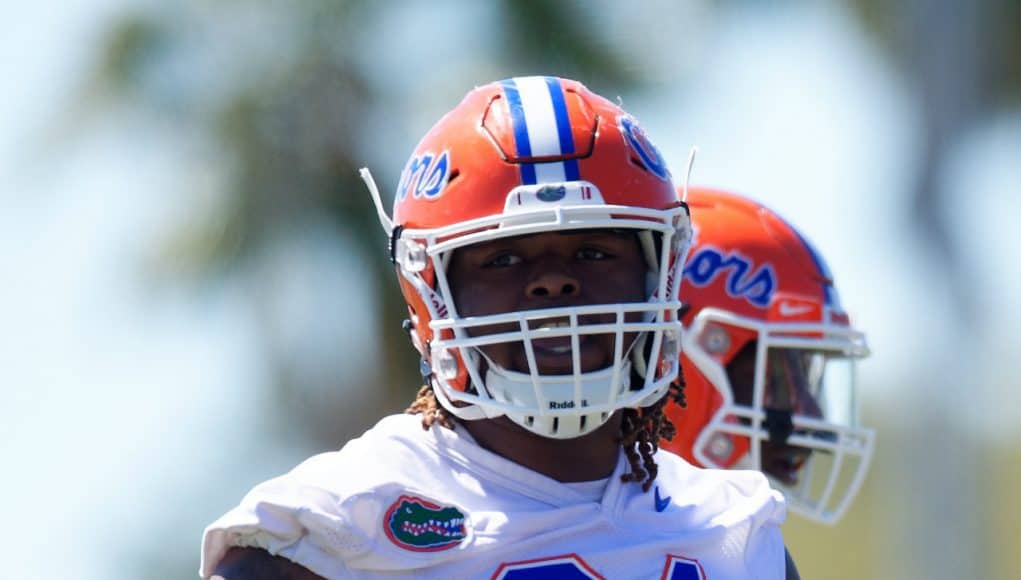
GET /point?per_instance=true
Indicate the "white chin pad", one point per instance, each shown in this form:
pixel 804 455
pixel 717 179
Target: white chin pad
pixel 564 396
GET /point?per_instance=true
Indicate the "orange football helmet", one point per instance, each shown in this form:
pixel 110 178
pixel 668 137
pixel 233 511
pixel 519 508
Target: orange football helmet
pixel 523 156
pixel 767 358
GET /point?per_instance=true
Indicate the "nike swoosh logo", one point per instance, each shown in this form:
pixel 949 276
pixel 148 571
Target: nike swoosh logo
pixel 661 503
pixel 788 309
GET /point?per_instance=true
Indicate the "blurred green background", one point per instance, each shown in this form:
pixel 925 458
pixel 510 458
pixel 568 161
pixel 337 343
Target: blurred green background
pixel 196 294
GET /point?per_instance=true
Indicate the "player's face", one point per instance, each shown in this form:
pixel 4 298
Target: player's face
pixel 549 270
pixel 786 389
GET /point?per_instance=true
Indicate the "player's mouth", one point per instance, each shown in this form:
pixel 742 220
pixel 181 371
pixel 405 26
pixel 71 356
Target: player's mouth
pixel 555 354
pixel 555 345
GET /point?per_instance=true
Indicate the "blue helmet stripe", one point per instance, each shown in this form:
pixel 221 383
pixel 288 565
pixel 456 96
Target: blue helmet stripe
pixel 528 176
pixel 820 266
pixel 571 172
pixel 556 92
pixel 517 113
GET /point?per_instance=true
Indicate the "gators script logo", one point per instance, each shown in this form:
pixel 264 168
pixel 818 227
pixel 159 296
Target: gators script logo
pixel 420 525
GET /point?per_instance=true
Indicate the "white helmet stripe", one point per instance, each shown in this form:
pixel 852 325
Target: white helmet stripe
pixel 541 128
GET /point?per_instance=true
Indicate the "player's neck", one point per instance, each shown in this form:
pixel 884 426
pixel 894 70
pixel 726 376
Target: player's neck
pixel 586 458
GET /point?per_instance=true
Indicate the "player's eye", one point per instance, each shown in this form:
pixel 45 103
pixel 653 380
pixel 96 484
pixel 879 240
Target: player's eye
pixel 589 253
pixel 502 261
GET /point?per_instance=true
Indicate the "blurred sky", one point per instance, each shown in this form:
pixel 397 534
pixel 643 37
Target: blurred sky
pixel 114 387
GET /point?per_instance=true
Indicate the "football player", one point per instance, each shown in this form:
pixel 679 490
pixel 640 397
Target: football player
pixel 538 242
pixel 768 359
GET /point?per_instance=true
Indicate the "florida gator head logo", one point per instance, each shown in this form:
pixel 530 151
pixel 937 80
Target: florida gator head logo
pixel 420 525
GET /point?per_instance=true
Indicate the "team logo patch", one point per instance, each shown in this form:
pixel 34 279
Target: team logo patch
pixel 551 193
pixel 420 525
pixel 640 144
pixel 425 176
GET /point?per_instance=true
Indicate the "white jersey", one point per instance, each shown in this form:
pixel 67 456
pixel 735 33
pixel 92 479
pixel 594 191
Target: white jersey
pixel 401 500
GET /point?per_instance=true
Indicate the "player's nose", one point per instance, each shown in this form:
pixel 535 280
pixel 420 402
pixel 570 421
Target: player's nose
pixel 553 283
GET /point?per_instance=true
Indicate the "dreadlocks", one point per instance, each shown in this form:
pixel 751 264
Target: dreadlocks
pixel 432 412
pixel 640 434
pixel 641 429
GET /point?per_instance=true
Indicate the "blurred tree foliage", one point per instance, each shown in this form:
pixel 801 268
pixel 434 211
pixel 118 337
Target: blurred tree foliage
pixel 963 62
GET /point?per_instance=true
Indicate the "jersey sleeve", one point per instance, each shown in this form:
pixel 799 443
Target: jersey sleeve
pixel 327 513
pixel 764 550
pixel 764 555
pixel 289 516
